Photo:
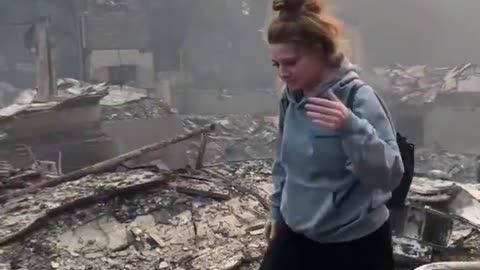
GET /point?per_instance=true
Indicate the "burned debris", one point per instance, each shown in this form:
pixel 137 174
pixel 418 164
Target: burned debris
pixel 208 214
pixel 423 99
pixel 200 219
pixel 126 103
pixel 422 84
pixel 211 218
pixel 160 228
pixel 441 217
pixel 440 220
pixel 237 137
pixel 447 166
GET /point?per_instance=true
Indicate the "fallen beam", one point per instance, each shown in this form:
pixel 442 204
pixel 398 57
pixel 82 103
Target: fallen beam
pixel 201 152
pixel 203 193
pixel 241 188
pixel 20 181
pixel 24 214
pixel 107 165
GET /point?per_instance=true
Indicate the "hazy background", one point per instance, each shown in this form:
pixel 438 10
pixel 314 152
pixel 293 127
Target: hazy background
pixel 219 41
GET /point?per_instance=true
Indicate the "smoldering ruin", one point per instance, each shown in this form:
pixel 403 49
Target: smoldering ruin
pixel 139 134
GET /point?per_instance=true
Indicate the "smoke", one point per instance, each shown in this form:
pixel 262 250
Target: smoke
pixel 220 42
pixel 410 32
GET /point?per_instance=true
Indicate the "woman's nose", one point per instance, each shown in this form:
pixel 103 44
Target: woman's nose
pixel 283 73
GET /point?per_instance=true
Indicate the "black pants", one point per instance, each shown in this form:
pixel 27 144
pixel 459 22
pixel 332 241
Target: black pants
pixel 292 251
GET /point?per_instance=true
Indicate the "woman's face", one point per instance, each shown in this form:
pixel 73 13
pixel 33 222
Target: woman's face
pixel 299 69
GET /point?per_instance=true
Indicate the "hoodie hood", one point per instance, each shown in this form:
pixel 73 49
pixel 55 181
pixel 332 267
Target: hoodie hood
pixel 338 78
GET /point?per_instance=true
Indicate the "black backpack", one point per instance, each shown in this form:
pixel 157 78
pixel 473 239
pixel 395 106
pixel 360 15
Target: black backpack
pixel 407 151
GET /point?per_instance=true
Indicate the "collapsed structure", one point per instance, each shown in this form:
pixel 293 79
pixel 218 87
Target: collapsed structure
pixel 425 99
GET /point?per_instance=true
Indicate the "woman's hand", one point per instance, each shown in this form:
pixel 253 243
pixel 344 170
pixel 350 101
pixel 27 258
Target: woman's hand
pixel 331 113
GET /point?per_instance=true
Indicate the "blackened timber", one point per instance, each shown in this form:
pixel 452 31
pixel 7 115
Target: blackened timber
pixel 110 164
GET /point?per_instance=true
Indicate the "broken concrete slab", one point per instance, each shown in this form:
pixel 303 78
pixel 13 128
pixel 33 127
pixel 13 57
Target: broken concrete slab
pixel 98 235
pixel 465 206
pixel 181 232
pixel 430 186
pixel 144 223
pixel 119 95
pixel 163 265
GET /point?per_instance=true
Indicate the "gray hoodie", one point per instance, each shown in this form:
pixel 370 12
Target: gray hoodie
pixel 332 185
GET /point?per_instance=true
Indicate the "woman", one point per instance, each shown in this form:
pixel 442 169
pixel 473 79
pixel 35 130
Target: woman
pixel 335 166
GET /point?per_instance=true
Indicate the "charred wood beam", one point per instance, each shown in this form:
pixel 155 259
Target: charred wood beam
pixel 99 196
pixel 203 193
pixel 196 177
pixel 20 181
pixel 242 188
pixel 110 164
pixel 264 202
pixel 45 69
pixel 201 152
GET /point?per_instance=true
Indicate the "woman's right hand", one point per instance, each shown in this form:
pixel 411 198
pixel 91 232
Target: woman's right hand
pixel 270 230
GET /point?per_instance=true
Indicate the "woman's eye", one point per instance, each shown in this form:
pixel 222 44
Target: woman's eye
pixel 290 63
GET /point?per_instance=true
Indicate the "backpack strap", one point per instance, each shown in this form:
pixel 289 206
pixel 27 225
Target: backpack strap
pixel 284 103
pixel 351 94
pixel 351 98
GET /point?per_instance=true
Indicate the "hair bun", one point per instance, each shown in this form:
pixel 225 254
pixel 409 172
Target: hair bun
pixel 288 5
pixel 313 6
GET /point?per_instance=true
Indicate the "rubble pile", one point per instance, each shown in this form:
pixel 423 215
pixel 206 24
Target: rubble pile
pixel 6 169
pixel 127 103
pixel 241 137
pixel 211 218
pixel 122 102
pixel 443 165
pixel 208 219
pixel 445 219
pixel 68 91
pixel 138 109
pixel 14 178
pixel 422 84
pixel 237 137
pixel 118 102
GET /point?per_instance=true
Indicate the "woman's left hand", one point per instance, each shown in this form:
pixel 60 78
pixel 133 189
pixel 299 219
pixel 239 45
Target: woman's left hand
pixel 331 113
